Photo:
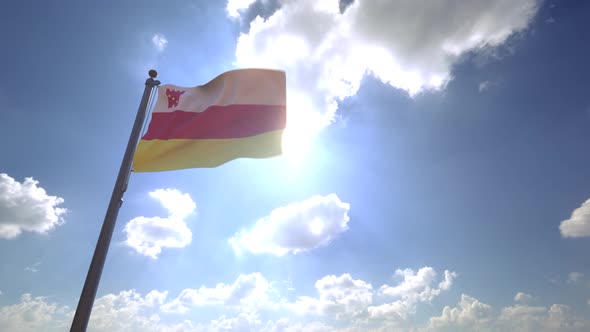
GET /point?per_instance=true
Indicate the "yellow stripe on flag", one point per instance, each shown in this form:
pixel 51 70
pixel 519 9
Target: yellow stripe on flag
pixel 172 154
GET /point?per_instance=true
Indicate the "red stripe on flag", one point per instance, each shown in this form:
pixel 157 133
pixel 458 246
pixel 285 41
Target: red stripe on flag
pixel 217 122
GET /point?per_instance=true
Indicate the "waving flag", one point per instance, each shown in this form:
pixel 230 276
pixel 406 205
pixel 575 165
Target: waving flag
pixel 239 114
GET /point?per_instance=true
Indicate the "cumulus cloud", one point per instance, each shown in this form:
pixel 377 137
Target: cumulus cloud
pixel 33 314
pixel 354 300
pixel 472 315
pixel 410 45
pixel 341 297
pixel 33 268
pixel 148 235
pixel 338 297
pixel 155 298
pixel 557 317
pixel 159 41
pixel 578 225
pixel 293 325
pixel 574 277
pixel 127 311
pixel 130 311
pixel 412 282
pixel 523 298
pixel 485 85
pixel 248 291
pixel 522 312
pixel 25 207
pixel 414 288
pixel 234 7
pixel 469 313
pixel 295 228
pixel 243 322
pixel 343 304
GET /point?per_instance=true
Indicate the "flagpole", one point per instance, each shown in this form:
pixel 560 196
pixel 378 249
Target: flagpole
pixel 86 301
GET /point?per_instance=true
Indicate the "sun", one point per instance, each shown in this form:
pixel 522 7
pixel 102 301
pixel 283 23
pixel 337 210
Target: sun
pixel 296 142
pixel 304 123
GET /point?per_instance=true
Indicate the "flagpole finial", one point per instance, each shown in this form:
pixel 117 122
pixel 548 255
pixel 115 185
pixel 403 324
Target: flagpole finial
pixel 153 73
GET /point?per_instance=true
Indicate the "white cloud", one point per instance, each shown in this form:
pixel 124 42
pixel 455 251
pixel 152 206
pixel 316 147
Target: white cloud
pixel 343 304
pixel 341 297
pixel 410 45
pixel 485 85
pixel 148 235
pixel 522 312
pixel 557 317
pixel 247 292
pixel 469 313
pixel 179 205
pixel 473 315
pixel 523 298
pixel 578 225
pixel 415 288
pixel 159 41
pixel 234 7
pixel 295 228
pixel 126 311
pixel 289 325
pixel 24 207
pixel 412 283
pixel 574 277
pixel 346 299
pixel 448 280
pixel 155 298
pixel 33 314
pixel 33 268
pixel 243 322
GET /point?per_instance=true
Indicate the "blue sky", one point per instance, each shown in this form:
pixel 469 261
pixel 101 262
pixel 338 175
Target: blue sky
pixel 435 177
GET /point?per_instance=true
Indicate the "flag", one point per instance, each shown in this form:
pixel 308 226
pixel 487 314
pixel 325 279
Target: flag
pixel 239 114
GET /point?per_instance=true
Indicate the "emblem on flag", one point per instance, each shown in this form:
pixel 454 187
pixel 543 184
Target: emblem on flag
pixel 173 97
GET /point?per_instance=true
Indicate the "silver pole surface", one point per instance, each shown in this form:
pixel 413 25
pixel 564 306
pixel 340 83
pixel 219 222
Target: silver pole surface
pixel 86 301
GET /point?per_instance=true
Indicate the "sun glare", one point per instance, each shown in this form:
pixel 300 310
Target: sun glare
pixel 316 226
pixel 303 126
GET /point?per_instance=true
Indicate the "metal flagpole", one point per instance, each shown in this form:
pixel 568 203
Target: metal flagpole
pixel 86 301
